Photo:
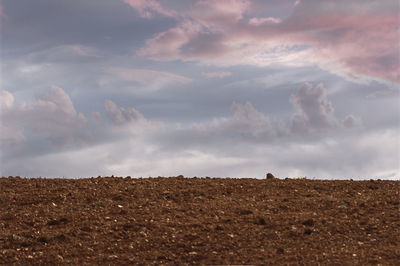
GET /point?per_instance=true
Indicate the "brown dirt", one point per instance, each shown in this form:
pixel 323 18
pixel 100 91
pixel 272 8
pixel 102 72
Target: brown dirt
pixel 199 221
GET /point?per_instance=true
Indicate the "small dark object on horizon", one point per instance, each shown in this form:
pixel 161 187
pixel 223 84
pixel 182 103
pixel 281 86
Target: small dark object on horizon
pixel 270 176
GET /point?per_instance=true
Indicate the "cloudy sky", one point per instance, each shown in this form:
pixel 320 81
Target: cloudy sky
pixel 224 88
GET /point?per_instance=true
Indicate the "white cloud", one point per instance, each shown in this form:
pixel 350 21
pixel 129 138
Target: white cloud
pixel 260 21
pixel 6 99
pixel 357 155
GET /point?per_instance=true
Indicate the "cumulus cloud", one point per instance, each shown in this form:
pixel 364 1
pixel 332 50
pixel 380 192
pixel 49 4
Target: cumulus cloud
pixel 145 154
pixel 313 109
pixel 121 116
pixel 314 113
pixel 216 74
pixel 245 121
pixel 52 116
pixel 11 135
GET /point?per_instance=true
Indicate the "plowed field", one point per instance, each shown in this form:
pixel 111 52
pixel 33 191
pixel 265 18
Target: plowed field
pixel 199 221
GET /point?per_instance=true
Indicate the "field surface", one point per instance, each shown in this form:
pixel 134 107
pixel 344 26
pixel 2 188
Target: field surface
pixel 199 221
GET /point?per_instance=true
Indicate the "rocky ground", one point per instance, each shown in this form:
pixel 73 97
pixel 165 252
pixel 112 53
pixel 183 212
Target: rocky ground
pixel 199 221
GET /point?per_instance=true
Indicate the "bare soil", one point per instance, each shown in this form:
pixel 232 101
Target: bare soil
pixel 188 221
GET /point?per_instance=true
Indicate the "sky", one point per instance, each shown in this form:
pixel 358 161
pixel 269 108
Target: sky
pixel 220 88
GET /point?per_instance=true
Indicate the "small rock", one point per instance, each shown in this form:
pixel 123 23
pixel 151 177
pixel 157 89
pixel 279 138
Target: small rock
pixel 342 207
pixel 270 176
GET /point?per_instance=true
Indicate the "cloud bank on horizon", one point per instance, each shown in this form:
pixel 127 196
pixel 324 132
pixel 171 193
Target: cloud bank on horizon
pixel 201 88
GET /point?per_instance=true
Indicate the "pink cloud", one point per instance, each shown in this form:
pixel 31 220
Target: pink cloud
pixel 360 44
pixel 2 13
pixel 148 8
pixel 352 40
pixel 217 13
pixel 166 45
pixel 81 50
pixel 260 21
pixel 6 100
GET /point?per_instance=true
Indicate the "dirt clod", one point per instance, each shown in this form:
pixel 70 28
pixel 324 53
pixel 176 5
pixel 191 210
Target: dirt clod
pixel 308 222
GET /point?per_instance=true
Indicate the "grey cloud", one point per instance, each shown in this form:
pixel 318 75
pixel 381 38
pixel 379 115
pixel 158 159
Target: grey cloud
pixel 216 74
pixel 313 109
pixel 52 116
pixel 355 155
pixel 314 113
pixel 121 116
pixel 246 120
pixel 349 121
pixel 147 153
